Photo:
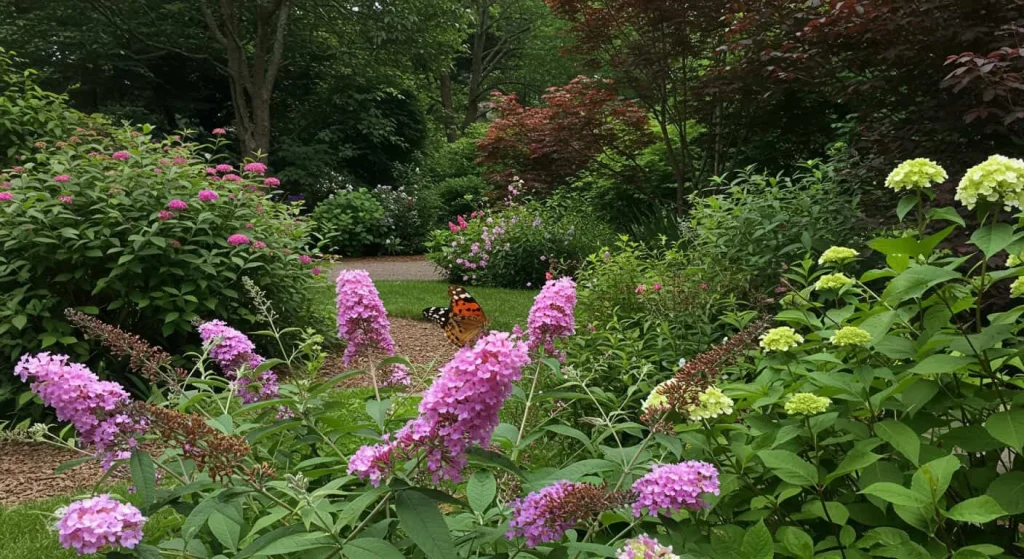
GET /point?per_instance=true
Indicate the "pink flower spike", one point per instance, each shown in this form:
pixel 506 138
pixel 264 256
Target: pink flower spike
pixel 208 196
pixel 94 524
pixel 62 178
pixel 121 156
pixel 238 239
pixel 255 167
pixel 675 487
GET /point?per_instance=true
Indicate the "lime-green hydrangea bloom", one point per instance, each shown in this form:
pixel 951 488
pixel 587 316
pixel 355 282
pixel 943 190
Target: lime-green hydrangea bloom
pixel 851 335
pixel 999 178
pixel 915 173
pixel 837 255
pixel 656 398
pixel 1013 261
pixel 1017 288
pixel 833 281
pixel 805 403
pixel 782 338
pixel 712 403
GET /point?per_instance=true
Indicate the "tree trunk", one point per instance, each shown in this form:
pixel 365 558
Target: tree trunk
pixel 476 76
pixel 446 107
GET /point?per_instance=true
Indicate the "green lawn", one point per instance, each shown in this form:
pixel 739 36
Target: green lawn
pixel 407 299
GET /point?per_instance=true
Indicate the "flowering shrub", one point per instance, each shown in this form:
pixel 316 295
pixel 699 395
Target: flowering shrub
pixel 516 246
pixel 147 251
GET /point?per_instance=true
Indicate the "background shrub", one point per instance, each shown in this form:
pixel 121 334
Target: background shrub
pixel 83 229
pixel 405 221
pixel 351 223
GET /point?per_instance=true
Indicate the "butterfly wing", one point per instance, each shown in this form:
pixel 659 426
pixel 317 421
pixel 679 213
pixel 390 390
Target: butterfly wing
pixel 437 315
pixel 466 317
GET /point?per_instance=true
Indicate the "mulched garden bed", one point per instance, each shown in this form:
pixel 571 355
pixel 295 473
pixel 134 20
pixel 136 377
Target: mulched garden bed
pixel 27 472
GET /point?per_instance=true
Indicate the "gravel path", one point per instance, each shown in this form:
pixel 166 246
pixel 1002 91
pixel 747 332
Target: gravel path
pixel 393 268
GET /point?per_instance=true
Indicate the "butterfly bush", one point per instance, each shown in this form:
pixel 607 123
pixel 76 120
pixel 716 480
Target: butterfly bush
pixel 97 409
pixel 94 524
pixel 363 321
pixel 675 487
pixel 644 547
pixel 545 515
pixel 552 315
pixel 233 351
pixel 459 410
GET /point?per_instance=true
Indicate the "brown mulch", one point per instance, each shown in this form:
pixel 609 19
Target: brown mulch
pixel 393 267
pixel 26 472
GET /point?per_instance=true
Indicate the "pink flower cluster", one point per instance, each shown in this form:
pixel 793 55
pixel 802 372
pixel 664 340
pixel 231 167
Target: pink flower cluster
pixel 62 178
pixel 363 321
pixel 461 226
pixel 6 196
pixel 177 205
pixel 238 239
pixel 305 259
pixel 272 182
pixel 97 409
pixel 644 547
pixel 224 168
pixel 89 525
pixel 458 411
pixel 233 351
pixel 674 487
pixel 256 168
pixel 552 315
pixel 165 215
pixel 121 155
pixel 539 517
pixel 208 196
pixel 67 200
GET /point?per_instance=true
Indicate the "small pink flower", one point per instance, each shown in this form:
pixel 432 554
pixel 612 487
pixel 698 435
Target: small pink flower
pixel 316 271
pixel 158 170
pixel 704 286
pixel 175 243
pixel 452 227
pixel 75 140
pixel 208 196
pixel 272 182
pixel 166 215
pixel 5 185
pixel 305 259
pixel 219 132
pixel 40 145
pixel 257 245
pixel 232 177
pixel 61 144
pixel 640 289
pixel 121 155
pixel 18 169
pixel 238 239
pixel 179 161
pixel 656 287
pixel 61 178
pixel 66 200
pixel 210 171
pixel 6 196
pixel 548 276
pixel 177 205
pixel 255 167
pixel 249 226
pixel 224 168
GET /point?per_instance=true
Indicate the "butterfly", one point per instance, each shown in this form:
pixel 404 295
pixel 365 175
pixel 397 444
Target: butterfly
pixel 463 320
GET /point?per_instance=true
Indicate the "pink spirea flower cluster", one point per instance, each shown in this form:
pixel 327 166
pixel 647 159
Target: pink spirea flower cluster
pixel 121 155
pixel 208 196
pixel 553 315
pixel 363 321
pixel 259 245
pixel 177 205
pixel 6 196
pixel 644 547
pixel 224 168
pixel 538 517
pixel 272 181
pixel 233 350
pixel 96 408
pixel 89 525
pixel 674 487
pixel 68 200
pixel 305 259
pixel 165 215
pixel 238 239
pixel 218 132
pixel 62 178
pixel 255 167
pixel 231 177
pixel 458 411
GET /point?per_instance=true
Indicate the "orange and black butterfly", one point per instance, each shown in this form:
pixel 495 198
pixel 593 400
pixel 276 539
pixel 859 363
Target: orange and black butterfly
pixel 463 320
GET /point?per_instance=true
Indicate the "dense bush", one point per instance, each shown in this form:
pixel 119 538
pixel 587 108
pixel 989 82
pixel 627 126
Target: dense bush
pixel 405 224
pixel 144 232
pixel 350 222
pixel 516 246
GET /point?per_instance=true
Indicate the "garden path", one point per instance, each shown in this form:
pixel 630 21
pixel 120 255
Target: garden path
pixel 28 472
pixel 392 268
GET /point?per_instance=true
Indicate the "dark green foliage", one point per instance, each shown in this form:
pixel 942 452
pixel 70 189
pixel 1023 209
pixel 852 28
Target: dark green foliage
pixel 350 223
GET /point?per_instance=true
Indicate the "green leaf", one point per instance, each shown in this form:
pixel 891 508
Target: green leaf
pixel 914 282
pixel 941 363
pixel 1007 427
pixel 896 494
pixel 789 467
pixel 198 517
pixel 297 542
pixel 992 238
pixel 757 543
pixel 837 512
pixel 19 321
pixel 480 490
pixel 224 529
pixel 143 475
pixel 978 510
pixel 146 551
pixel 946 213
pixel 932 479
pixel 1008 491
pixel 422 520
pixel 371 548
pixel 901 437
pixel 796 542
pixel 72 464
pixel 906 204
pixel 857 459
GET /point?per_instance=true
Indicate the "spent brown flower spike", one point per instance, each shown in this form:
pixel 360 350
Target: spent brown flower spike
pixel 145 359
pixel 216 453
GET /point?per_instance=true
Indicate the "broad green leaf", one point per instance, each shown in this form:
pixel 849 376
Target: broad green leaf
pixel 1008 491
pixel 198 517
pixel 932 479
pixel 901 437
pixel 896 494
pixel 837 513
pixel 857 459
pixel 941 363
pixel 789 467
pixel 594 549
pixel 143 475
pixel 295 543
pixel 226 531
pixel 757 543
pixel 1007 427
pixel 992 238
pixel 946 213
pixel 371 548
pixel 796 542
pixel 906 204
pixel 355 508
pixel 72 464
pixel 914 282
pixel 978 510
pixel 422 520
pixel 480 490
